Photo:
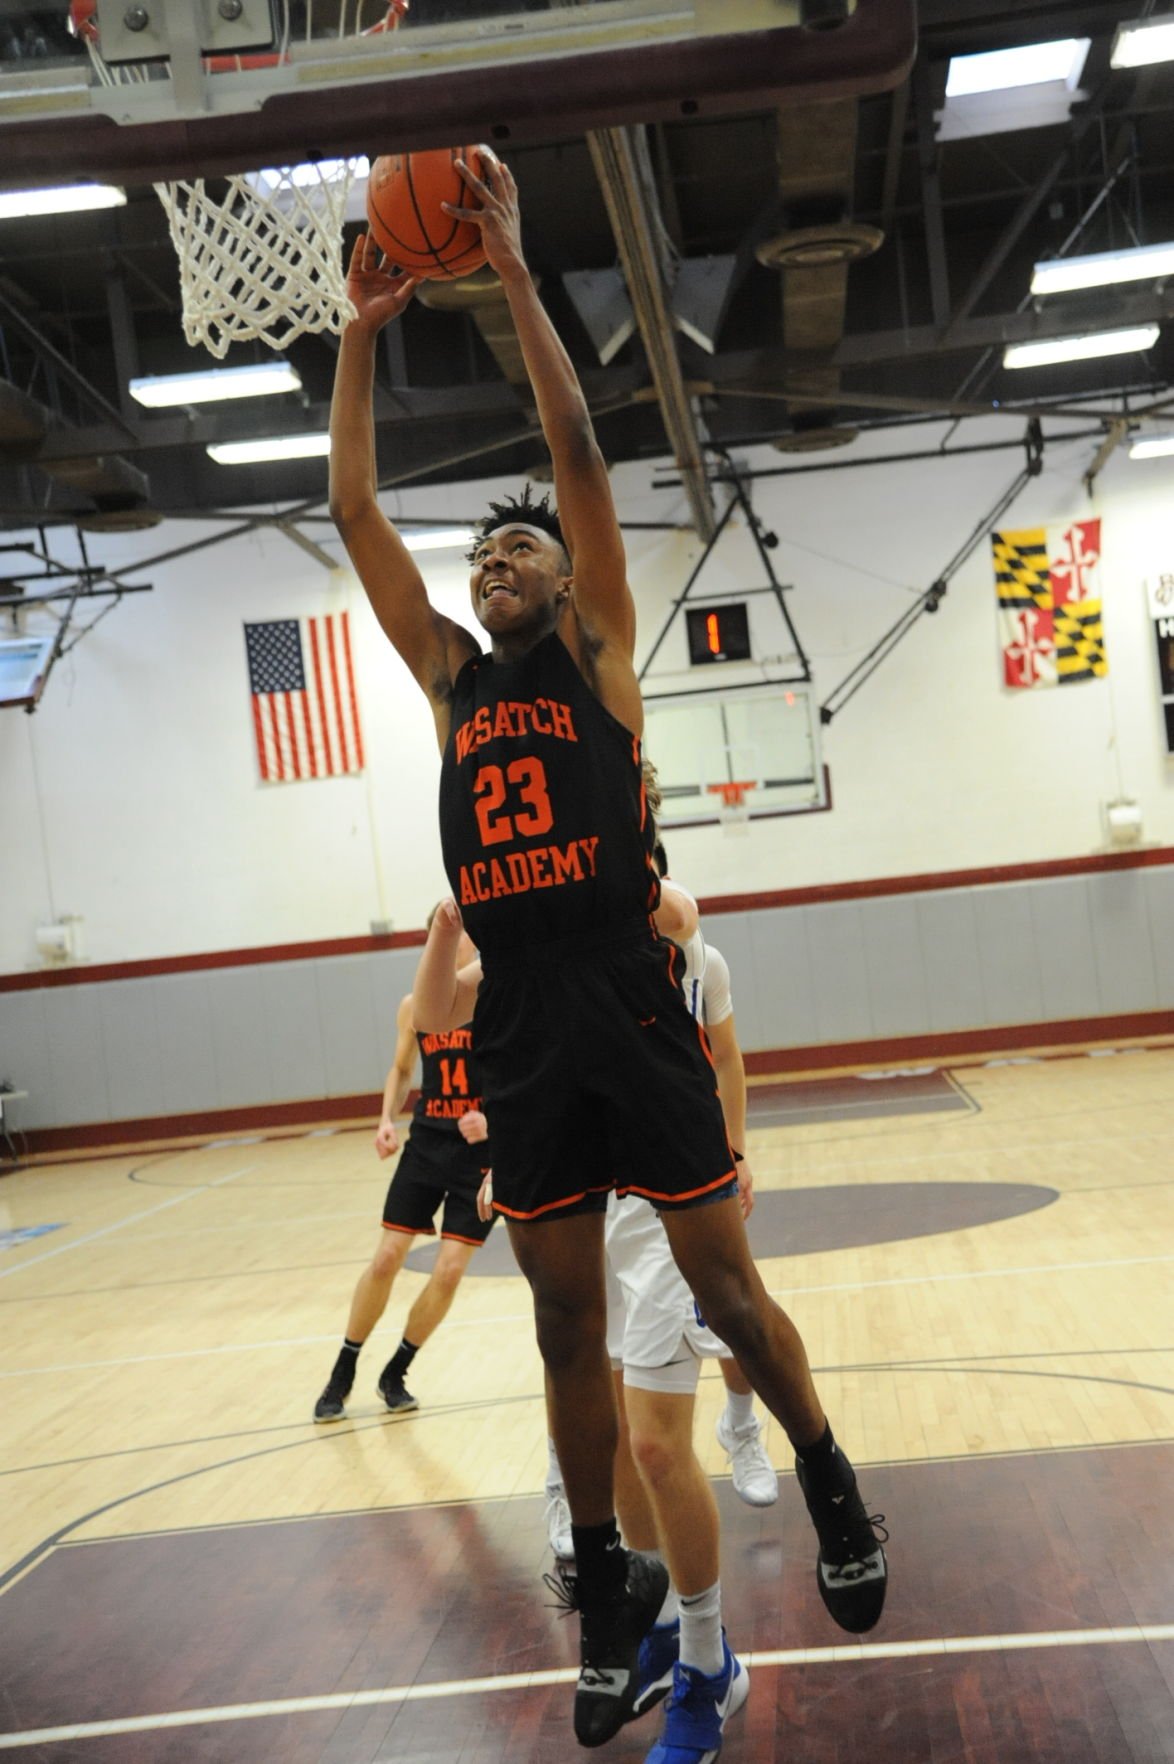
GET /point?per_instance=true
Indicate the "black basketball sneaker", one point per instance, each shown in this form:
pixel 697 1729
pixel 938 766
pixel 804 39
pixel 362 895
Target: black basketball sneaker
pixel 395 1393
pixel 609 1645
pixel 331 1405
pixel 851 1567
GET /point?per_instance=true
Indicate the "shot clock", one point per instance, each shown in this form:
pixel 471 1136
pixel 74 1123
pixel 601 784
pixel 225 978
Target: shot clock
pixel 718 633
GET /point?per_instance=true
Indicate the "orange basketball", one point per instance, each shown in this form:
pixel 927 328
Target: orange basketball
pixel 404 194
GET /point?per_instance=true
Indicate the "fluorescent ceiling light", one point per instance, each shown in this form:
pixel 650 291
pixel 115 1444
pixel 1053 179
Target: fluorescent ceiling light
pixel 210 385
pixel 64 199
pixel 1140 45
pixel 276 447
pixel 1056 349
pixel 440 540
pixel 1033 65
pixel 1152 447
pixel 1103 269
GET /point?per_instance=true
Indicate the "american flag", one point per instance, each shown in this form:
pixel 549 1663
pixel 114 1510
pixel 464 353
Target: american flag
pixel 305 711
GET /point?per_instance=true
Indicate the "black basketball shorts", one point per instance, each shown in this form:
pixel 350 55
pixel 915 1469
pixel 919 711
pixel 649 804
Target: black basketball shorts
pixel 437 1167
pixel 596 1077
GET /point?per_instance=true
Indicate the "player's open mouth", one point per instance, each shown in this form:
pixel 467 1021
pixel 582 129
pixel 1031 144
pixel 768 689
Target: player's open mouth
pixel 492 589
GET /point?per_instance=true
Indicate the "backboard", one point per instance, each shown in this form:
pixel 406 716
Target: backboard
pixel 208 97
pixel 764 736
pixel 24 664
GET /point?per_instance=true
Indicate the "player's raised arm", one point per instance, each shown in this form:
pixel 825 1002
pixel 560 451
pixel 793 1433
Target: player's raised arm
pixel 582 490
pixel 432 646
pixel 443 995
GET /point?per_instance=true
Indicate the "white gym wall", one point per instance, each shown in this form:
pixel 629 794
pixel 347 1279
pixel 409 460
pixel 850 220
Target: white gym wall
pixel 131 798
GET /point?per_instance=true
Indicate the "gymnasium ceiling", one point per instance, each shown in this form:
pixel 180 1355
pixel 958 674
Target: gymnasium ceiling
pixel 914 327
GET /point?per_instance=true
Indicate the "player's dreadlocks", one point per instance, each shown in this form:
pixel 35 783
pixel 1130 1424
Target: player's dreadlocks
pixel 527 510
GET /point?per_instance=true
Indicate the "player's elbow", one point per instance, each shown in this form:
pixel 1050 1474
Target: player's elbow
pixel 348 504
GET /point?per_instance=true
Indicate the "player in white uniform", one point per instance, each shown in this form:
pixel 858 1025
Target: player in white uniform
pixel 707 993
pixel 657 1340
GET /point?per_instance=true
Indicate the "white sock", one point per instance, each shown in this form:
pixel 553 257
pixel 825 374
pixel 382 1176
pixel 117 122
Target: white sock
pixel 739 1408
pixel 701 1630
pixel 554 1472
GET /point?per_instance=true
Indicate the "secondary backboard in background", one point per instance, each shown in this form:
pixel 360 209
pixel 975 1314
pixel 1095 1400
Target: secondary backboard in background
pixel 24 665
pixel 766 736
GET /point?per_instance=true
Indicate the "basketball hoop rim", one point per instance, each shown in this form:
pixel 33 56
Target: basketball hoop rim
pixel 83 24
pixel 733 791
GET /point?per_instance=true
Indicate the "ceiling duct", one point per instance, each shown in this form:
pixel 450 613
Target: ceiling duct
pixel 812 435
pixel 482 296
pixel 812 244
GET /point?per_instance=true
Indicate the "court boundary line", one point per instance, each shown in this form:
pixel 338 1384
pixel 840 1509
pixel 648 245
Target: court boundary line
pixel 948 1363
pixel 520 1316
pixel 131 1219
pixel 342 1701
pixel 535 1494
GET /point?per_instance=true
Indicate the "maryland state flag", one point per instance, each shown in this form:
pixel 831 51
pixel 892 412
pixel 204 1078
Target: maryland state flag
pixel 1049 586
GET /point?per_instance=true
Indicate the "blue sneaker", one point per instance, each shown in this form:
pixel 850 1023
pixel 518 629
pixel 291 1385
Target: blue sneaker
pixel 696 1713
pixel 659 1652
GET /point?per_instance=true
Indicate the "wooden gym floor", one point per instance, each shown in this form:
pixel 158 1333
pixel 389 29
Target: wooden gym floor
pixel 191 1571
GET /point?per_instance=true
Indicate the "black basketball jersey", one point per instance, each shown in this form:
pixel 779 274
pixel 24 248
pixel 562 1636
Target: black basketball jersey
pixel 543 820
pixel 450 1083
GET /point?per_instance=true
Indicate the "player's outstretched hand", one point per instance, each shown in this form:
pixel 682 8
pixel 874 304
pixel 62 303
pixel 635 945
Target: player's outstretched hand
pixel 387 1139
pixel 378 292
pixel 745 1188
pixel 485 1198
pixel 473 1126
pixel 496 211
pixel 446 920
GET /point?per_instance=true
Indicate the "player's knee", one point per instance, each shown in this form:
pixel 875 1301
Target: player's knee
pixel 447 1273
pixel 389 1256
pixel 731 1313
pixel 567 1332
pixel 653 1454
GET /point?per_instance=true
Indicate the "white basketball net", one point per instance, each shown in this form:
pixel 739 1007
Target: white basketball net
pixel 263 259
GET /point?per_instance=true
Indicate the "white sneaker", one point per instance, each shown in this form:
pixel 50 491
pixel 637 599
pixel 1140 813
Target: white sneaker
pixel 755 1480
pixel 558 1522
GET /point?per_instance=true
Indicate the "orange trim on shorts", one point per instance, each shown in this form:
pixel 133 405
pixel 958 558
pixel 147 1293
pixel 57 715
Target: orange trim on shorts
pixel 569 1200
pixel 455 1237
pixel 691 1194
pixel 410 1230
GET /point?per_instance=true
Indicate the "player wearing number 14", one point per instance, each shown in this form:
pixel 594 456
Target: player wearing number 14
pixel 442 1164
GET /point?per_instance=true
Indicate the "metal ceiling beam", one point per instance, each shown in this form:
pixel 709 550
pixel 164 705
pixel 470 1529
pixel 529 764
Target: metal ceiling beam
pixel 749 373
pixel 929 168
pixel 635 222
pixel 11 314
pixel 1079 126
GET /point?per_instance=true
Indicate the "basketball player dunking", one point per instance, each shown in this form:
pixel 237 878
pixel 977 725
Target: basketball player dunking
pixel 593 1068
